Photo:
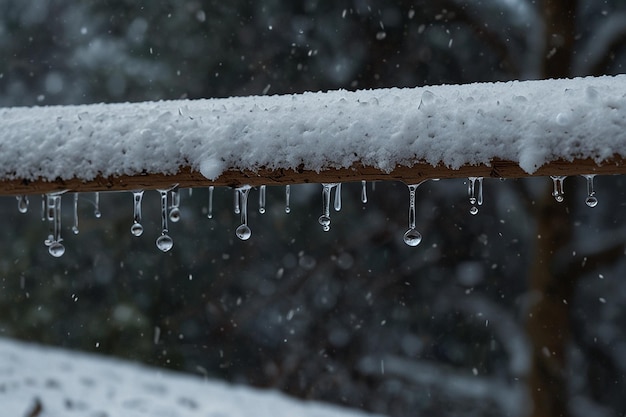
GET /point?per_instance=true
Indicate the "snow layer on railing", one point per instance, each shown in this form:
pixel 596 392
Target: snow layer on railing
pixel 528 122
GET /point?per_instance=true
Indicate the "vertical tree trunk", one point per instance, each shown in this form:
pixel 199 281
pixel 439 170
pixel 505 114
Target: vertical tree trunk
pixel 548 324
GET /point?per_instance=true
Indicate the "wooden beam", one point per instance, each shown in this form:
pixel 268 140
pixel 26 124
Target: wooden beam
pixel 188 178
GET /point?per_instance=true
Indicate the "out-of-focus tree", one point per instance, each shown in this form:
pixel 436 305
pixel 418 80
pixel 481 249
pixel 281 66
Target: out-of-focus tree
pixel 352 316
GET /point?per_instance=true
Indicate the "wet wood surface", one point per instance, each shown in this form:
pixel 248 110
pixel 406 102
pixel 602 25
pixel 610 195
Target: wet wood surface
pixel 188 178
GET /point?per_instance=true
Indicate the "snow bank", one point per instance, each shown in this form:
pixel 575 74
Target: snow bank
pixel 530 122
pixel 70 383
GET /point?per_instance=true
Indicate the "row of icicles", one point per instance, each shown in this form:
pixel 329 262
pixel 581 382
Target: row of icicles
pixel 51 209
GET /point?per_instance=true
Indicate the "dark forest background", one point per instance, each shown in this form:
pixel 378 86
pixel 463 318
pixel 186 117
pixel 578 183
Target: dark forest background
pixel 516 311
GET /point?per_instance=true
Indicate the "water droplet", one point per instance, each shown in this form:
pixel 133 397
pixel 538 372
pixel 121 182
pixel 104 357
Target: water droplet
pixel 56 249
pixel 96 203
pixel 210 210
pixel 175 207
pixel 22 203
pixel 324 219
pixel 174 214
pixel 591 199
pixel 475 192
pixel 287 198
pixel 261 199
pixel 137 229
pixel 243 232
pixel 53 208
pixel 412 237
pixel 363 191
pixel 557 191
pixel 75 211
pixel 164 243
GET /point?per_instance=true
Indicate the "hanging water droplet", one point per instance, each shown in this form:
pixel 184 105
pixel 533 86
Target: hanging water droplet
pixel 324 219
pixel 363 191
pixel 53 208
pixel 475 192
pixel 96 210
pixel 210 209
pixel 75 212
pixel 338 197
pixel 591 199
pixel 287 198
pixel 243 232
pixel 175 207
pixel 558 191
pixel 137 229
pixel 164 242
pixel 412 237
pixel 261 199
pixel 22 203
pixel 56 249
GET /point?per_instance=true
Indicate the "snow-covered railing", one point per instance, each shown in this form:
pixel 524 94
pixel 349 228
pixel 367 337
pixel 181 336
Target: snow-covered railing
pixel 516 129
pixel 513 129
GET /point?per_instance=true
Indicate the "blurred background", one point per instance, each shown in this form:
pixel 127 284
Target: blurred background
pixel 516 311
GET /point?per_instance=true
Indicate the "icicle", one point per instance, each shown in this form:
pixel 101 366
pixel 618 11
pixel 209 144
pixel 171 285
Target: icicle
pixel 22 203
pixel 412 237
pixel 237 209
pixel 475 196
pixel 190 192
pixel 164 242
pixel 75 207
pixel 96 210
pixel 137 229
pixel 175 208
pixel 287 198
pixel 324 219
pixel 591 200
pixel 363 191
pixel 243 232
pixel 558 192
pixel 210 210
pixel 44 207
pixel 338 197
pixel 262 199
pixel 55 247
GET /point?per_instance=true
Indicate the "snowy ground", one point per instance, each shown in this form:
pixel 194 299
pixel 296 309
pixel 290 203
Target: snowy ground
pixel 37 381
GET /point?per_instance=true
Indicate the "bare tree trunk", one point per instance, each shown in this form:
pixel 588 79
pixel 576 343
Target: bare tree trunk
pixel 548 324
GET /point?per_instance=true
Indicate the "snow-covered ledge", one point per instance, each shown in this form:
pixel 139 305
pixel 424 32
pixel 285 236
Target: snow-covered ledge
pixel 513 129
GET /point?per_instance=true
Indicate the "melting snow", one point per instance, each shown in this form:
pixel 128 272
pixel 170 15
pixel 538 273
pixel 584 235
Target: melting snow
pixel 46 382
pixel 529 122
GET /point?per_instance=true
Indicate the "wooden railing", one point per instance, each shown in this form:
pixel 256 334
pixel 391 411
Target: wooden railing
pixel 187 178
